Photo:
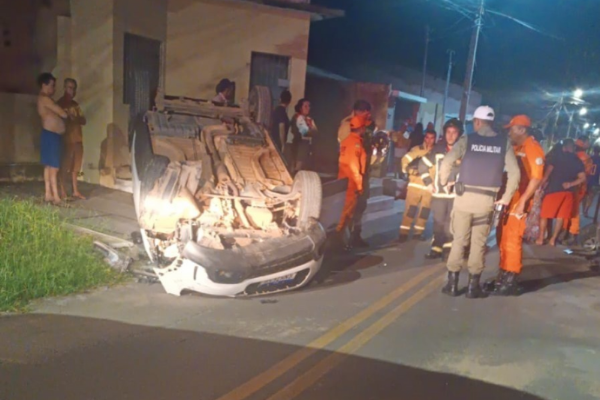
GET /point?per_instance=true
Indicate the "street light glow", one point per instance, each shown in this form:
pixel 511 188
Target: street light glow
pixel 583 111
pixel 597 131
pixel 586 125
pixel 578 93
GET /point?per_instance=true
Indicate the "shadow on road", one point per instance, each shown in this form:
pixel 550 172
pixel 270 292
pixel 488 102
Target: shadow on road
pixel 556 277
pixel 73 358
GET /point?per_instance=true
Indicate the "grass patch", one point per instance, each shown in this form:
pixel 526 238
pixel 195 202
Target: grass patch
pixel 39 257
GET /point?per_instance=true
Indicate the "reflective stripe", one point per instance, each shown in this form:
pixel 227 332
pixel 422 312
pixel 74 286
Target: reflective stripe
pixel 409 157
pixel 425 175
pixel 447 245
pixel 416 185
pixel 419 228
pixel 427 162
pixel 443 196
pixel 437 249
pixel 405 227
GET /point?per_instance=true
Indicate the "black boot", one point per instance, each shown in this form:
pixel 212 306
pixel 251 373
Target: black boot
pixel 337 242
pixel 509 286
pixel 451 288
pixel 494 284
pixel 402 239
pixel 433 255
pixel 356 241
pixel 474 290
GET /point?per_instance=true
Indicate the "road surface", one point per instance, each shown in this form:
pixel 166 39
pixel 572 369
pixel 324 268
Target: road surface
pixel 375 326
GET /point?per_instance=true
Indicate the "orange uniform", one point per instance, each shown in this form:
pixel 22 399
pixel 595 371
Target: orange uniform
pixel 353 164
pixel 573 224
pixel 531 162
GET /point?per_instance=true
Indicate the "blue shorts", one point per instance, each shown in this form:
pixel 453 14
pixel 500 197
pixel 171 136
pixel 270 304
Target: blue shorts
pixel 51 149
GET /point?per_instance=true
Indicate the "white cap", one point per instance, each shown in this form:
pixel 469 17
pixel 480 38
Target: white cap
pixel 485 113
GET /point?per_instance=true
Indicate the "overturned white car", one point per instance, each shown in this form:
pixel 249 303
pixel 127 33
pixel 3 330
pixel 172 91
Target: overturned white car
pixel 219 212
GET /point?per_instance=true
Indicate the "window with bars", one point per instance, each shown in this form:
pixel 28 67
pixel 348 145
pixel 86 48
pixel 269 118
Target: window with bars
pixel 270 70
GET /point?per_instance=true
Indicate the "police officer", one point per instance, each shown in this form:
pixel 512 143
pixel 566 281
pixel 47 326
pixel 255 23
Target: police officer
pixel 442 197
pixel 484 156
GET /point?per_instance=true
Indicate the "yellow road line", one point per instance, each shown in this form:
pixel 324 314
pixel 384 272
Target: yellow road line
pixel 268 376
pixel 311 376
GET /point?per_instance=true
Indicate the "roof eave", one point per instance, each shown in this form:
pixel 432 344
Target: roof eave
pixel 317 13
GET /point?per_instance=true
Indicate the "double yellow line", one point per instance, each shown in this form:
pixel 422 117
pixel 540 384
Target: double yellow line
pixel 305 380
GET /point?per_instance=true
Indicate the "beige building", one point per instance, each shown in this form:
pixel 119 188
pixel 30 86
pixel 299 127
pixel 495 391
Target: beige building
pixel 122 51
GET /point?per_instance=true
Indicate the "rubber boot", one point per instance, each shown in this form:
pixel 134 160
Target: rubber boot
pixel 495 283
pixel 356 241
pixel 403 238
pixel 474 290
pixel 509 286
pixel 451 288
pixel 337 243
pixel 433 255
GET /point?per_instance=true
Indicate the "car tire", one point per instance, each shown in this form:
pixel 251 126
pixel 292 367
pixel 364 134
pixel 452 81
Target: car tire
pixel 260 100
pixel 308 184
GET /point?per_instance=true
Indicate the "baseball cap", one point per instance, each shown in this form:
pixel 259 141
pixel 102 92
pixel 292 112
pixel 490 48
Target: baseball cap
pixel 485 113
pixel 357 122
pixel 519 120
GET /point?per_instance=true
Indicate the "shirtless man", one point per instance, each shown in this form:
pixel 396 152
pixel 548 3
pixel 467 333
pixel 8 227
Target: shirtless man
pixel 53 127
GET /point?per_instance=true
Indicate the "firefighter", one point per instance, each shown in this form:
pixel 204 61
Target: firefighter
pixel 362 109
pixel 571 226
pixel 417 205
pixel 356 239
pixel 530 156
pixel 484 156
pixel 442 198
pixel 353 165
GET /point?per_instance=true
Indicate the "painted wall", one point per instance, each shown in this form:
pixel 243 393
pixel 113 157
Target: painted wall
pixel 409 81
pixel 97 39
pixel 128 18
pixel 208 40
pixel 20 127
pixel 92 55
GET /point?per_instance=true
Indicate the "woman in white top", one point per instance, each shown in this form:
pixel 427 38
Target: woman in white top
pixel 302 131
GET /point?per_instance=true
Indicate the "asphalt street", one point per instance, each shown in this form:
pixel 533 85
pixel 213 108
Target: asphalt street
pixel 374 325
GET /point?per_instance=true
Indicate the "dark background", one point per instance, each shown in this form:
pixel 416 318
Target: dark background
pixel 514 63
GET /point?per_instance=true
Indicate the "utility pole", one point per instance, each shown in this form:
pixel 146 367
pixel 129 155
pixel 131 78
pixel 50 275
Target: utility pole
pixel 468 85
pixel 450 61
pixel 425 60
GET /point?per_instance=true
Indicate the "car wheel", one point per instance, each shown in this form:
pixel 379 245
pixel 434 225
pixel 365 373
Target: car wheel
pixel 260 103
pixel 308 184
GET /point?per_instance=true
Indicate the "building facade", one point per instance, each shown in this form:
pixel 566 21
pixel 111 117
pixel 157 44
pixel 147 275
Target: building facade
pixel 122 51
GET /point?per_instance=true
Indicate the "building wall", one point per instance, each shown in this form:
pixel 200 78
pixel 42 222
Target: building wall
pixel 92 55
pixel 19 63
pixel 20 127
pixel 208 40
pixel 151 23
pixel 97 39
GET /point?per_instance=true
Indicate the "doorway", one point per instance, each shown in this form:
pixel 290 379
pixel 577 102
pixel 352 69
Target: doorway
pixel 141 71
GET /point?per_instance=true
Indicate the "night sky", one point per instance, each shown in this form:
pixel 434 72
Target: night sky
pixel 512 60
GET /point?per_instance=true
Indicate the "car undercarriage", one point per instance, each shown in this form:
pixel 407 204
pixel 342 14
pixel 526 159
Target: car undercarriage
pixel 219 212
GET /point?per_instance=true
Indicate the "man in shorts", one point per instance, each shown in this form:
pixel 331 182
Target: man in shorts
pixel 53 127
pixel 72 140
pixel 564 173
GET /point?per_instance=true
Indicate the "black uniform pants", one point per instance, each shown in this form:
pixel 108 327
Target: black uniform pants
pixel 362 201
pixel 442 210
pixel 361 207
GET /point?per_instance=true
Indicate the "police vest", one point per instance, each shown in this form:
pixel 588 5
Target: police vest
pixel 483 163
